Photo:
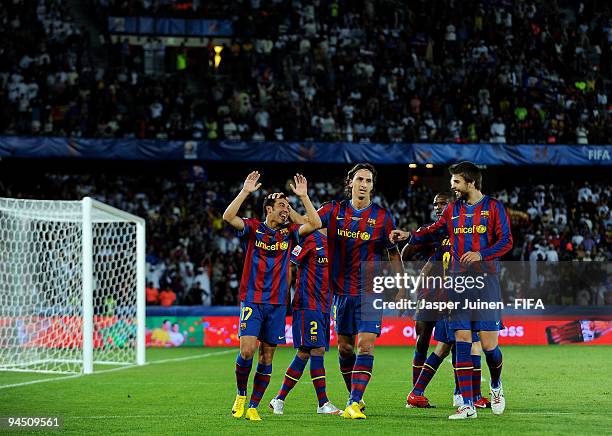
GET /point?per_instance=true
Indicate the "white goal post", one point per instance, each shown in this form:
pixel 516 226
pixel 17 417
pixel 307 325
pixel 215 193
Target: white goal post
pixel 72 286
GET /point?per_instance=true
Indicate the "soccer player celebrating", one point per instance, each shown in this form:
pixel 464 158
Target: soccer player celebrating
pixel 479 229
pixel 438 254
pixel 357 231
pixel 311 308
pixel 265 282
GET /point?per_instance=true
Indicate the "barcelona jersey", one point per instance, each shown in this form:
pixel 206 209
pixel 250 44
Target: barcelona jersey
pixel 354 236
pixel 312 281
pixel 483 227
pixel 266 272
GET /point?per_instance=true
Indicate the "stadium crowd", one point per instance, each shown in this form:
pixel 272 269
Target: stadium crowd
pixel 330 70
pixel 193 258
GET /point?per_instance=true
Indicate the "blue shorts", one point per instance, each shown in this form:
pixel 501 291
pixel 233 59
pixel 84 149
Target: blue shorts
pixel 264 321
pixel 310 329
pixel 477 319
pixel 353 317
pixel 443 333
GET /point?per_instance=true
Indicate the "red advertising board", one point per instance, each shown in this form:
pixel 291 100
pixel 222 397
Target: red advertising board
pixel 223 331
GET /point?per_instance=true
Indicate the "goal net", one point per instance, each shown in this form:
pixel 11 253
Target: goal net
pixel 71 286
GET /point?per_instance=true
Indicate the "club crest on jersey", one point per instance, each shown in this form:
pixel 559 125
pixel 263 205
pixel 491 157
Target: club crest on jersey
pixel 313 338
pixel 284 231
pixel 371 222
pixel 322 260
pixel 297 250
pixel 484 213
pixel 242 325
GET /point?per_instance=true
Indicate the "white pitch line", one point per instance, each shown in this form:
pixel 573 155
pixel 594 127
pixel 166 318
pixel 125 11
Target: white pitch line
pixel 154 362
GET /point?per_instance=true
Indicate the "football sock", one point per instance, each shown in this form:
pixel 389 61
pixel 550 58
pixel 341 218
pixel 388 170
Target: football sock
pixel 260 383
pixel 243 370
pixel 463 370
pixel 317 374
pixel 429 369
pixel 494 362
pixel 417 365
pixel 292 376
pixel 457 391
pixel 362 372
pixel 346 368
pixel 476 377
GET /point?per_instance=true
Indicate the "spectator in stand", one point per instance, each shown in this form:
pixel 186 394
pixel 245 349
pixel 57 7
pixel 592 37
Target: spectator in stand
pixel 167 297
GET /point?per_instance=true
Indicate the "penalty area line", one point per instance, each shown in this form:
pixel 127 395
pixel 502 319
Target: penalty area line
pixel 154 362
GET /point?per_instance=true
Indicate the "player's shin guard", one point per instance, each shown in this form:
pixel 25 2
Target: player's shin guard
pixel 494 362
pixel 243 370
pixel 417 365
pixel 346 369
pixel 292 376
pixel 317 374
pixel 476 378
pixel 463 370
pixel 362 372
pixel 260 383
pixel 429 369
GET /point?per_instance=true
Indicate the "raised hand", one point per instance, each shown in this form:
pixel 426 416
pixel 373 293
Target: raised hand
pixel 250 183
pixel 301 185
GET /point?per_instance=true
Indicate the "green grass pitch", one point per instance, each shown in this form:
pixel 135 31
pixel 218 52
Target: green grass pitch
pixel 549 390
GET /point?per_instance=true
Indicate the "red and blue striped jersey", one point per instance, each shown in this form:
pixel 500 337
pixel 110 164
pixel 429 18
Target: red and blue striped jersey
pixel 312 281
pixel 483 227
pixel 266 273
pixel 354 236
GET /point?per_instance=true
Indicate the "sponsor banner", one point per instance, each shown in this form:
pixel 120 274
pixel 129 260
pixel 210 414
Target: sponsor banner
pixel 327 152
pixel 223 331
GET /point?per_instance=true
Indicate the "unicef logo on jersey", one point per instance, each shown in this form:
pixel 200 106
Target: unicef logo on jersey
pixel 272 247
pixel 364 236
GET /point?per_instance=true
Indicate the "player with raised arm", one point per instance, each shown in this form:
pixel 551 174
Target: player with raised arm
pixel 310 325
pixel 357 231
pixel 424 368
pixel 265 283
pixel 480 234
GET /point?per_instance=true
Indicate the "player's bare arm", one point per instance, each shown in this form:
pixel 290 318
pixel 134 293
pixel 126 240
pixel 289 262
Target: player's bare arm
pixel 300 188
pixel 230 216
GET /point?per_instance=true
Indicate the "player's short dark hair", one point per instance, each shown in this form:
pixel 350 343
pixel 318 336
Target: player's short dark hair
pixel 352 171
pixel 268 201
pixel 446 194
pixel 469 171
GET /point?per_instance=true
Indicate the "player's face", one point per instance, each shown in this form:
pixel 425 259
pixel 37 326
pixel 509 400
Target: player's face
pixel 362 184
pixel 440 203
pixel 280 212
pixel 459 185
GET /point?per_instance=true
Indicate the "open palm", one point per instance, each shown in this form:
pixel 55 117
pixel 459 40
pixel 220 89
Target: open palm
pixel 301 185
pixel 251 182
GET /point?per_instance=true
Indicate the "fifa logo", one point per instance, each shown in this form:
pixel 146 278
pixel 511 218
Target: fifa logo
pixel 364 236
pixel 470 230
pixel 272 247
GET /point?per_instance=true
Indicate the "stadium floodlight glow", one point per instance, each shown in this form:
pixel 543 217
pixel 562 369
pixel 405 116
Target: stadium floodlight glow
pixel 412 165
pixel 429 165
pixel 73 286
